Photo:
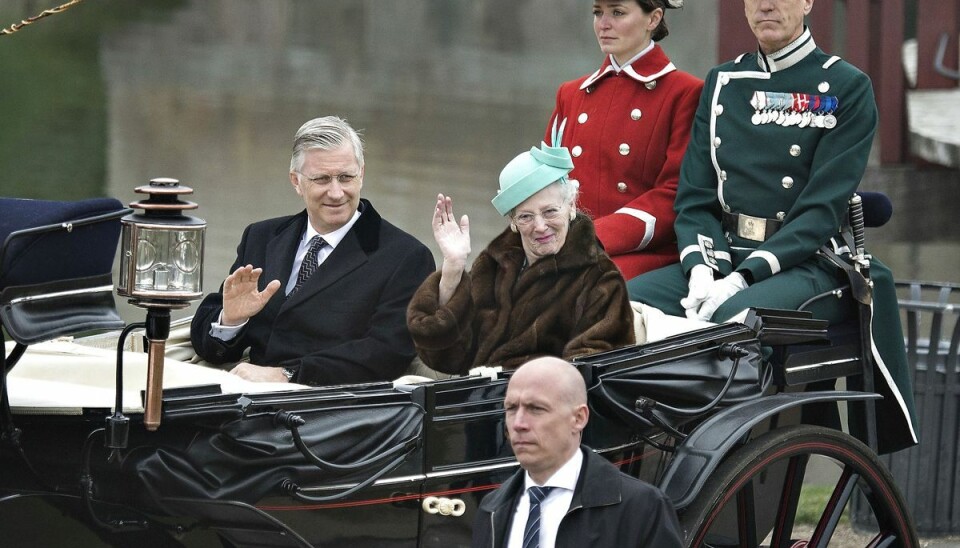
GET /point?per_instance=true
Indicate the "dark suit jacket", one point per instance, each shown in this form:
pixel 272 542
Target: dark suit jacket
pixel 609 509
pixel 347 324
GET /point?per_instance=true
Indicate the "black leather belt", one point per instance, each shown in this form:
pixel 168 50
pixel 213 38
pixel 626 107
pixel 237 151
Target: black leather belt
pixel 757 229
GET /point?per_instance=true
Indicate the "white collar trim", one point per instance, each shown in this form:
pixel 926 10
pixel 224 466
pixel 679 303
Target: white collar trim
pixel 788 56
pixel 633 74
pixel 628 70
pixel 596 76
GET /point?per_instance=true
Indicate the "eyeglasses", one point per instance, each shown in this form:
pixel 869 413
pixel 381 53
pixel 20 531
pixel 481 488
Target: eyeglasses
pixel 343 178
pixel 549 214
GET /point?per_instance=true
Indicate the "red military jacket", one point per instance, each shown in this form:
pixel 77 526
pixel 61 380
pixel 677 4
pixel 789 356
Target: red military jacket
pixel 627 133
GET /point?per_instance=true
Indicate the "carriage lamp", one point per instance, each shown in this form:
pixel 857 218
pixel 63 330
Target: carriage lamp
pixel 161 269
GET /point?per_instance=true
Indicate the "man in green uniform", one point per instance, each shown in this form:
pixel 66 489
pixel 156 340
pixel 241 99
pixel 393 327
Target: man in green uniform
pixel 779 144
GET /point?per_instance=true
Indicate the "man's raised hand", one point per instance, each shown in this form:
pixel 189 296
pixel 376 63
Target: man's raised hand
pixel 242 298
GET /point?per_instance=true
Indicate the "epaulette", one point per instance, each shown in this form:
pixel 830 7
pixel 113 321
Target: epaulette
pixel 830 62
pixel 738 59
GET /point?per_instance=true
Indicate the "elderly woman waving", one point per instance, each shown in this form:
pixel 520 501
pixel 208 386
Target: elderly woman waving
pixel 543 287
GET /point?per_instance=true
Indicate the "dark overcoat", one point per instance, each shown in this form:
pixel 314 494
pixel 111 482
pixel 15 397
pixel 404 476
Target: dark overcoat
pixel 609 509
pixel 347 324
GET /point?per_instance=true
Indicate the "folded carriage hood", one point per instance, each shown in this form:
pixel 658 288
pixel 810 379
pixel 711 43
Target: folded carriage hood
pixel 248 458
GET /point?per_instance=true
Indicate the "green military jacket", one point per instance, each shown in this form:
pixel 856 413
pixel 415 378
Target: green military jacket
pixel 783 137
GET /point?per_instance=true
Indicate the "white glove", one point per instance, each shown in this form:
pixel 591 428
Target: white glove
pixel 701 278
pixel 720 291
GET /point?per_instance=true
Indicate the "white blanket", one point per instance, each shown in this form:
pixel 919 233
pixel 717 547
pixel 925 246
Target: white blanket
pixel 651 324
pixel 62 377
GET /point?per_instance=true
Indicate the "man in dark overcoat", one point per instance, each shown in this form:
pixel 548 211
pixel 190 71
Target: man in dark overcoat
pixel 319 297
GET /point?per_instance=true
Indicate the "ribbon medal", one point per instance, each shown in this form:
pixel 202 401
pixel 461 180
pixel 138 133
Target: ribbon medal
pixel 794 109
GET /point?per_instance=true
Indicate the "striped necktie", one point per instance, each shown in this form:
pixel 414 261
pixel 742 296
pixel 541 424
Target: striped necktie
pixel 531 532
pixel 309 264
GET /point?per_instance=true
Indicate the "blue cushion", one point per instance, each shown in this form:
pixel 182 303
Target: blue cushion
pixel 59 255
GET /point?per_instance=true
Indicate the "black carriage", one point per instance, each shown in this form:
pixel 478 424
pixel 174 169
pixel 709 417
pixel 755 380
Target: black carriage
pixel 722 426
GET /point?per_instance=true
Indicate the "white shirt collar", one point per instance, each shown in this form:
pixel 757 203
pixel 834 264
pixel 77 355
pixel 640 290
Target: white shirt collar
pixel 617 67
pixel 554 506
pixel 788 56
pixel 564 478
pixel 334 238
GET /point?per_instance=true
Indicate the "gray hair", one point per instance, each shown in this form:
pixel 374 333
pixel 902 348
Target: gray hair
pixel 325 133
pixel 569 190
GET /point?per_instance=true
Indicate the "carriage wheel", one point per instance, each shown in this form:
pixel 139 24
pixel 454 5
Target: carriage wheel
pixel 759 497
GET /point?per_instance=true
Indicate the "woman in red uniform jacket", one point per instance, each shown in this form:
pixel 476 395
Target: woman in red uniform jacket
pixel 627 127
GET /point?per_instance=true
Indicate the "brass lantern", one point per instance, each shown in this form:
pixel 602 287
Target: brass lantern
pixel 161 269
pixel 161 259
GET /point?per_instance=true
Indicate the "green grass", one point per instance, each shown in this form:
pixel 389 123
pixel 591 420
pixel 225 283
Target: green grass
pixel 813 499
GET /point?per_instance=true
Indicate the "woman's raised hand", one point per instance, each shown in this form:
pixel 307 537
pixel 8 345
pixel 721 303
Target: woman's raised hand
pixel 452 237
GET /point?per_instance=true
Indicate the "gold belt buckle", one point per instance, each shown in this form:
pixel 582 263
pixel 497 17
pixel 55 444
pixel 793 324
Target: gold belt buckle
pixel 752 228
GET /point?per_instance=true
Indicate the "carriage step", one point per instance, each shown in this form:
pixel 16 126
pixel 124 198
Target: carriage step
pixel 783 327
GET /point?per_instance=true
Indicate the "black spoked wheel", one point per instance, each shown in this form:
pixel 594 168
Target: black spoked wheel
pixel 795 487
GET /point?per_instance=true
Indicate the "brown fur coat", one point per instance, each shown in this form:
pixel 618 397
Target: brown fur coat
pixel 568 304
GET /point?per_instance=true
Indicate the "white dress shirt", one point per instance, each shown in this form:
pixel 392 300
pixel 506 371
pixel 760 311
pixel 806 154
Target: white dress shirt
pixel 333 239
pixel 553 507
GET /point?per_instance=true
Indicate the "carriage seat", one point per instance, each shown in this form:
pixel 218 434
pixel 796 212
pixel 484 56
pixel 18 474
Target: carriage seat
pixel 56 261
pixel 56 264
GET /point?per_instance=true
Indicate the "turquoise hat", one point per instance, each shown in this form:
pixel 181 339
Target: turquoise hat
pixel 532 171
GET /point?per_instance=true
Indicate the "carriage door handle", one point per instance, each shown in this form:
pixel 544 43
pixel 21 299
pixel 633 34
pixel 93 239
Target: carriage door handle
pixel 444 506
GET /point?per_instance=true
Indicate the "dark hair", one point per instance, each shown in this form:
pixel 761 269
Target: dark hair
pixel 661 31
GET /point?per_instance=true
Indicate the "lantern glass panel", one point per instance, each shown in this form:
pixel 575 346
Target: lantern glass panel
pixel 169 260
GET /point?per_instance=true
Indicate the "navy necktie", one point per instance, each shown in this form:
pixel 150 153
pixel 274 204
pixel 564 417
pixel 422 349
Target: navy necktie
pixel 531 532
pixel 309 264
